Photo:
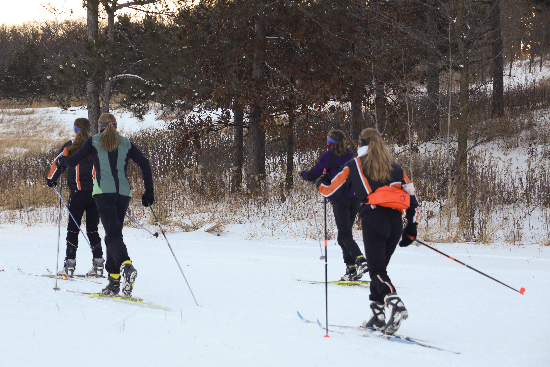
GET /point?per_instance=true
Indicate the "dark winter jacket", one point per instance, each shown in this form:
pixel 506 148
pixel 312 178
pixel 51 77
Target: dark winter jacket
pixel 80 177
pixel 111 167
pixel 352 176
pixel 333 164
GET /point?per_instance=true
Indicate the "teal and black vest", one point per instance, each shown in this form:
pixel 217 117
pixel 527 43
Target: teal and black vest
pixel 111 175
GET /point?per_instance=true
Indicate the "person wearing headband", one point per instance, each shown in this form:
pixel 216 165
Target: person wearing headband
pixel 345 209
pixel 80 182
pixel 112 193
pixel 386 193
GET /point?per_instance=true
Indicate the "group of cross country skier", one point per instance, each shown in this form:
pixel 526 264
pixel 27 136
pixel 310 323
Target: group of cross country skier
pixel 372 185
pixel 99 186
pixel 368 183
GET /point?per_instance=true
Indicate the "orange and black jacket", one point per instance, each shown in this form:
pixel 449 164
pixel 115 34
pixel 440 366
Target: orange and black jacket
pixel 352 176
pixel 80 177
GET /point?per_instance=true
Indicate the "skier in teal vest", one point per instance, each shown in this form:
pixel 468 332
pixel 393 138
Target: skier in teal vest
pixel 110 152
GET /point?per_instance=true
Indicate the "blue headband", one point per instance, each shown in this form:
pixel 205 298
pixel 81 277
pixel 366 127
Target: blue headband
pixel 77 129
pixel 331 140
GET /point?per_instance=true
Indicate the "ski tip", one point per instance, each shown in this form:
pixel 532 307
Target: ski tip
pixel 522 290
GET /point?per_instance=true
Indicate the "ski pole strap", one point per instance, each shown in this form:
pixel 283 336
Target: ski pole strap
pixel 521 291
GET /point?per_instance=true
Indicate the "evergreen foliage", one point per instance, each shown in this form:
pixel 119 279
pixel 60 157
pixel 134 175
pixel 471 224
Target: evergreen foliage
pixel 22 77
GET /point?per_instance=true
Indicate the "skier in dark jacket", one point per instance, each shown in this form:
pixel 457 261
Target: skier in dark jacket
pixel 80 181
pixel 346 207
pixel 374 170
pixel 112 192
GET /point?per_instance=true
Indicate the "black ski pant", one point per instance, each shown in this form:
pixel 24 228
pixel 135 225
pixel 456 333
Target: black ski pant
pixel 382 229
pixel 345 212
pixel 81 201
pixel 112 210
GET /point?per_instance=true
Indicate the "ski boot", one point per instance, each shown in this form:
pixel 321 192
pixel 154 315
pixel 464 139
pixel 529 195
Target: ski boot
pixel 398 313
pixel 378 318
pixel 351 273
pixel 113 288
pixel 129 273
pixel 97 268
pixel 362 266
pixel 68 268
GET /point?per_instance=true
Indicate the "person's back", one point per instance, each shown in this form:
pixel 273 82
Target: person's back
pixel 382 226
pixel 112 194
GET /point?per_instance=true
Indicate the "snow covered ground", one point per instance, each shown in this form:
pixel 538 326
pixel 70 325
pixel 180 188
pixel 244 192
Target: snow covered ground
pixel 248 299
pixel 244 283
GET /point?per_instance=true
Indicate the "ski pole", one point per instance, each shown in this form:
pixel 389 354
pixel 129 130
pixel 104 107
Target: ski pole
pixel 326 266
pixel 521 291
pixel 58 234
pixel 156 234
pixel 177 262
pixel 315 220
pixel 71 214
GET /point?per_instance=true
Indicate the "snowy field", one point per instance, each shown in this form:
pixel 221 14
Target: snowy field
pixel 248 299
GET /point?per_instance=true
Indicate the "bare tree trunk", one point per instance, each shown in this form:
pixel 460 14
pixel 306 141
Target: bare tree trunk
pixel 432 85
pixel 463 123
pixel 92 88
pixel 256 141
pixel 498 62
pixel 107 85
pixel 256 151
pixel 380 105
pixel 237 172
pixel 356 116
pixel 449 114
pixel 289 178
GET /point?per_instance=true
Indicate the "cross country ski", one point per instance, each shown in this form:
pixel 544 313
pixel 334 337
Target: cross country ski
pixel 119 298
pixel 346 283
pixel 376 334
pixel 75 277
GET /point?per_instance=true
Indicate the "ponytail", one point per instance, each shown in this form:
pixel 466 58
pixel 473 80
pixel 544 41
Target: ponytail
pixel 79 139
pixel 81 127
pixel 377 163
pixel 109 135
pixel 109 138
pixel 341 148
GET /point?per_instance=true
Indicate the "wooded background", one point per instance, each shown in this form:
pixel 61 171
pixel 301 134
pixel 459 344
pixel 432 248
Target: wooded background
pixel 280 74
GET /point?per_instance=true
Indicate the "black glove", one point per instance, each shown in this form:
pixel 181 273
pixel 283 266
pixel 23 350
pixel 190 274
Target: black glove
pixel 59 162
pixel 408 236
pixel 148 198
pixel 323 180
pixel 303 175
pixel 50 183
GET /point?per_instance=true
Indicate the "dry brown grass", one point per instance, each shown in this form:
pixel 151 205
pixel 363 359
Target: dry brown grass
pixel 13 104
pixel 192 191
pixel 26 131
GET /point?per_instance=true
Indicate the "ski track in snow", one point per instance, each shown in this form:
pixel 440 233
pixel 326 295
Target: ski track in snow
pixel 248 301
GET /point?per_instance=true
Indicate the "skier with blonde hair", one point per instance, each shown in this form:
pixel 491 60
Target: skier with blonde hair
pixel 110 152
pixel 385 192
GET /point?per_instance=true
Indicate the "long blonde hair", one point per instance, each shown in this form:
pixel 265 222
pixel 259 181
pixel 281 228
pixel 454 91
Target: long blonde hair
pixel 377 163
pixel 341 148
pixel 109 136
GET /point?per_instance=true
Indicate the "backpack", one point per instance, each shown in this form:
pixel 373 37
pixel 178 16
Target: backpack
pixel 389 197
